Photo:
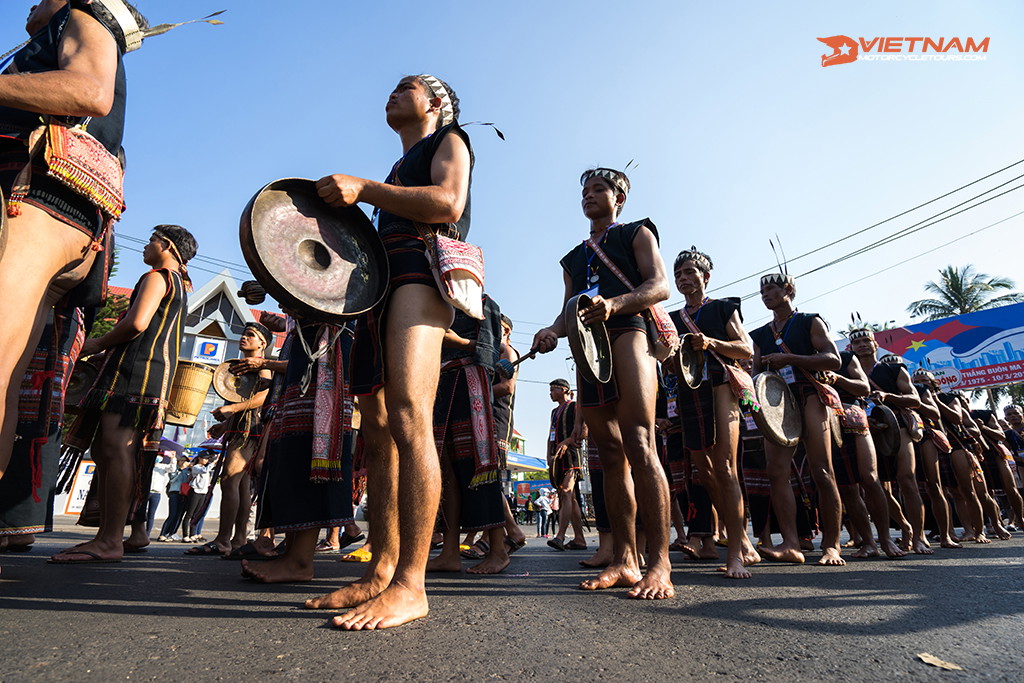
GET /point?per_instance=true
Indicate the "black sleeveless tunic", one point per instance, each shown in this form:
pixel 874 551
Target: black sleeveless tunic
pixel 617 244
pixel 712 319
pixel 796 333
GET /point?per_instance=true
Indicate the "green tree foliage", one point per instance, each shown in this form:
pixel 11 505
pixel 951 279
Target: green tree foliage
pixel 963 290
pixel 112 308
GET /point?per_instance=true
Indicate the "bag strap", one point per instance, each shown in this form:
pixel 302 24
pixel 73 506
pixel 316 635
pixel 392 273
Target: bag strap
pixel 823 389
pixel 692 326
pixel 608 262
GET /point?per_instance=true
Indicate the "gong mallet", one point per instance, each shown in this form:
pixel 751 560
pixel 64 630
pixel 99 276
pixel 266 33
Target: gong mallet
pixel 506 368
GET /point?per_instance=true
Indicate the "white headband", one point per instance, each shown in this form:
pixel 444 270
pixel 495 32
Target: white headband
pixel 438 89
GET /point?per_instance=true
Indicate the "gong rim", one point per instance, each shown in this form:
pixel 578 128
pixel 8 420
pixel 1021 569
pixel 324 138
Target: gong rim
pixel 597 370
pixel 689 362
pixel 835 426
pixel 887 441
pixel 779 418
pixel 82 378
pixel 230 387
pixel 359 230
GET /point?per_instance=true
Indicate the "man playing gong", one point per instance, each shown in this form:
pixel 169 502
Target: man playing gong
pixel 796 345
pixel 711 412
pixel 619 414
pixel 239 427
pixel 396 359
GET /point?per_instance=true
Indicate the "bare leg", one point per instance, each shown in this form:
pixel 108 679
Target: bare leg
pixel 875 496
pixel 913 506
pixel 32 278
pixel 450 559
pixel 1013 496
pixel 817 441
pixel 603 556
pixel 417 321
pixel 780 462
pixel 295 566
pixel 231 502
pixel 991 507
pixel 114 451
pixel 940 508
pixel 635 372
pixel 497 556
pixel 962 467
pixel 720 477
pixel 381 501
pixel 857 513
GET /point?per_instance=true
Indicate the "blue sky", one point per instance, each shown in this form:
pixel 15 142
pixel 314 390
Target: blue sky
pixel 737 133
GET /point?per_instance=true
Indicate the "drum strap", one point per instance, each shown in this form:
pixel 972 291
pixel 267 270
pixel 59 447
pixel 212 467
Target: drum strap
pixel 739 381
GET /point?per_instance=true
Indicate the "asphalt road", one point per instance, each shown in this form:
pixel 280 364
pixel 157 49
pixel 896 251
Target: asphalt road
pixel 164 615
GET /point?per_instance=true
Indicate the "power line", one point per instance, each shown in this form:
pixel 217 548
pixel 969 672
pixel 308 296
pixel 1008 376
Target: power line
pixel 875 225
pixel 905 261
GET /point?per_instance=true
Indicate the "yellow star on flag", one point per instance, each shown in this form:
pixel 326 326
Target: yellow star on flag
pixel 915 345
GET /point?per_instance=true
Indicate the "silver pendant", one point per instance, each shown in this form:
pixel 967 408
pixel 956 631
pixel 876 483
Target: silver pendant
pixel 778 342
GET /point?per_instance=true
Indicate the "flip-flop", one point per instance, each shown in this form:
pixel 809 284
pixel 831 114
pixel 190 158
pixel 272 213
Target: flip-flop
pixel 207 550
pixel 573 545
pixel 134 549
pixel 556 543
pixel 324 548
pixel 511 546
pixel 477 551
pixel 345 540
pixel 91 558
pixel 248 552
pixel 359 555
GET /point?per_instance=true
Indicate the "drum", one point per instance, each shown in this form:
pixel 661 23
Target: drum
pixel 779 418
pixel 687 363
pixel 590 345
pixel 885 431
pixel 189 387
pixel 324 263
pixel 82 378
pixel 234 388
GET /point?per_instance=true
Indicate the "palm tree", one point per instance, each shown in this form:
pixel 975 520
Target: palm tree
pixel 963 290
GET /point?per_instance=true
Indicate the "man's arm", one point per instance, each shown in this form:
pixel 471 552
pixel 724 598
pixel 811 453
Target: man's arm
pixel 83 85
pixel 442 202
pixel 546 338
pixel 507 387
pixel 825 357
pixel 907 398
pixel 857 383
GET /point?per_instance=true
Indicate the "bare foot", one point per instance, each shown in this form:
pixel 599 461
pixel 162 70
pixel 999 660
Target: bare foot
pixel 656 585
pixel 1002 534
pixel 867 550
pixel 90 551
pixel 352 595
pixel 806 544
pixel 614 575
pixel 921 547
pixel 830 558
pixel 782 554
pixel 981 538
pixel 282 570
pixel 948 542
pixel 852 544
pixel 891 549
pixel 736 568
pixel 395 606
pixel 494 563
pixel 906 533
pixel 602 558
pixel 444 564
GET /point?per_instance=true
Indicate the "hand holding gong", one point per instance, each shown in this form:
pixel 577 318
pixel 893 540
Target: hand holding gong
pixel 599 310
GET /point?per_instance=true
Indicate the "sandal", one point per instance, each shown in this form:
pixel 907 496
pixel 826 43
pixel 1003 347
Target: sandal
pixel 556 543
pixel 511 546
pixel 477 551
pixel 248 552
pixel 345 540
pixel 573 545
pixel 207 549
pixel 326 548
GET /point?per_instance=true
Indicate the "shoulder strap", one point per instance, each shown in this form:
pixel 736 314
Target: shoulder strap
pixel 608 262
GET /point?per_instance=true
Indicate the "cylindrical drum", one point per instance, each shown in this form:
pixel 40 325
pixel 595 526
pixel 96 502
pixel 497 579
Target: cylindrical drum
pixel 189 387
